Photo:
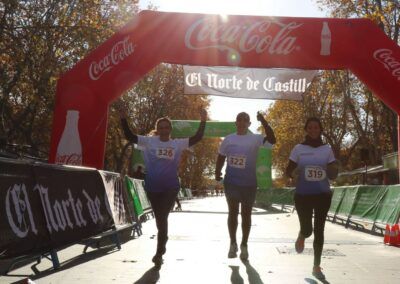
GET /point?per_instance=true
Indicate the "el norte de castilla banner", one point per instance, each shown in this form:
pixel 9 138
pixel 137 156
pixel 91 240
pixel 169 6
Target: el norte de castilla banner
pixel 252 83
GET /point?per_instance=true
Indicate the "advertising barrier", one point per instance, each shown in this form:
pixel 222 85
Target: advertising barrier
pixel 134 198
pixel 46 207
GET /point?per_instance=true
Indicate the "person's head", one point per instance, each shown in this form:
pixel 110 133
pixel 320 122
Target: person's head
pixel 242 122
pixel 163 127
pixel 313 127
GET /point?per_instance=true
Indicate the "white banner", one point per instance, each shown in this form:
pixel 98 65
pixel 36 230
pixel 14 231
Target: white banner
pixel 252 83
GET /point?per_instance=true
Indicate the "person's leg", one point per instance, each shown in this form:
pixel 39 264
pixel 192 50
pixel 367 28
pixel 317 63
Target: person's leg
pixel 246 222
pixel 248 196
pixel 304 213
pixel 161 203
pixel 322 204
pixel 233 212
pixel 166 204
pixel 178 207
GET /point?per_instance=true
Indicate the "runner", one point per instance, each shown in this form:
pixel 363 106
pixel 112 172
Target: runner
pixel 311 163
pixel 240 181
pixel 161 157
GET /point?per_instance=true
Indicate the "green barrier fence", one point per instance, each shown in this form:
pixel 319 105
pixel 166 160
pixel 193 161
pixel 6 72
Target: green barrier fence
pixel 337 197
pixel 389 208
pixel 282 196
pixel 377 205
pixel 347 203
pixel 368 199
pixel 144 201
pixel 137 206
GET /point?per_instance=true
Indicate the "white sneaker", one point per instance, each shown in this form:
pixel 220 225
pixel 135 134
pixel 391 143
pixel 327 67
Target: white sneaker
pixel 244 253
pixel 317 272
pixel 233 248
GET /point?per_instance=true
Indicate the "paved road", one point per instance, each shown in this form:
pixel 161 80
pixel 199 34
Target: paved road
pixel 197 253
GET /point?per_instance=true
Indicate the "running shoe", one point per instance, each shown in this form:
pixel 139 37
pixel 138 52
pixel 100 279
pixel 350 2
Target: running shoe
pixel 317 273
pixel 244 253
pixel 233 248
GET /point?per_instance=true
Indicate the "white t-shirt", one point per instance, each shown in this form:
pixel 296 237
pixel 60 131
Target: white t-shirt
pixel 241 156
pixel 312 164
pixel 162 161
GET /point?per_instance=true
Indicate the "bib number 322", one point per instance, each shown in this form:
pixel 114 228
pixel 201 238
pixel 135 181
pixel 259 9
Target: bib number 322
pixel 237 162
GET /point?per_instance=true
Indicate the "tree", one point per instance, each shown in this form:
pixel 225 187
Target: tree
pixel 39 40
pixel 386 14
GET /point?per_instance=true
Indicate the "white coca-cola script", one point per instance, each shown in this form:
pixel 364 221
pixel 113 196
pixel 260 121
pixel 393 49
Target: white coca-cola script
pixel 72 159
pixel 256 37
pixel 121 50
pixel 385 56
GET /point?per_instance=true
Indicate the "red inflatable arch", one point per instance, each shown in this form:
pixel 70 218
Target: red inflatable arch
pixel 151 38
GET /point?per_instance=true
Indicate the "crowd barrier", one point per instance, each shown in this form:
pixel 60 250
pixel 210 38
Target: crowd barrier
pixel 365 207
pixel 47 207
pixel 138 197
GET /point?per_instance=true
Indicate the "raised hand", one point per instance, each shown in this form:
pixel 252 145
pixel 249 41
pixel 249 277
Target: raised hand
pixel 260 117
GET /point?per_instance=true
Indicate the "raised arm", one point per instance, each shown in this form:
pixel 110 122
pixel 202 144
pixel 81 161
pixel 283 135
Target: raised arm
pixel 131 137
pixel 218 166
pixel 269 133
pixel 200 131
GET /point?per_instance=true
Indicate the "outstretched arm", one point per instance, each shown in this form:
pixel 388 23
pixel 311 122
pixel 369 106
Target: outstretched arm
pixel 269 133
pixel 218 167
pixel 131 137
pixel 200 131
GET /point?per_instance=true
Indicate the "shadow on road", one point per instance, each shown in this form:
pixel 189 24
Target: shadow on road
pixel 150 276
pixel 252 275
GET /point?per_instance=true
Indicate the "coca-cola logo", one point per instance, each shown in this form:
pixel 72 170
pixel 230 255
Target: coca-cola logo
pixel 121 50
pixel 256 37
pixel 71 159
pixel 392 64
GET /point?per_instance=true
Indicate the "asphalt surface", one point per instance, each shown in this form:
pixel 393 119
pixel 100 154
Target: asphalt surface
pixel 197 253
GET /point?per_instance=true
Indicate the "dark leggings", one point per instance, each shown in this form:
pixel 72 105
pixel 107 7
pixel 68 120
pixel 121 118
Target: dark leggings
pixel 233 207
pixel 162 203
pixel 305 206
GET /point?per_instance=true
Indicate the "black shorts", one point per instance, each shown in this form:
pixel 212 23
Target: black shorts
pixel 243 194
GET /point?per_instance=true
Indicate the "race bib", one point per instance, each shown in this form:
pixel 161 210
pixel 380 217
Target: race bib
pixel 165 153
pixel 314 173
pixel 237 162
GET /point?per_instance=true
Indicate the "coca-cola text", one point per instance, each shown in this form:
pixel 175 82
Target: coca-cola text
pixel 72 159
pixel 121 50
pixel 392 64
pixel 204 34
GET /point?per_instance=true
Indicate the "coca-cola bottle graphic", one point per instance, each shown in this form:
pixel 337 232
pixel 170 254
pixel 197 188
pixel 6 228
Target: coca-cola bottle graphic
pixel 325 40
pixel 69 150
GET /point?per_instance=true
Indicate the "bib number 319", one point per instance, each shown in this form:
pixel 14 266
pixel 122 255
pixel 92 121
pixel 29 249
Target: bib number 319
pixel 314 173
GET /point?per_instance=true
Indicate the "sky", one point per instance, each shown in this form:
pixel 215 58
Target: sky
pixel 222 108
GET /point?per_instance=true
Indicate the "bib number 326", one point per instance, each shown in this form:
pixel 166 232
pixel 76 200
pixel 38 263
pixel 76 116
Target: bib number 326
pixel 314 173
pixel 165 153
